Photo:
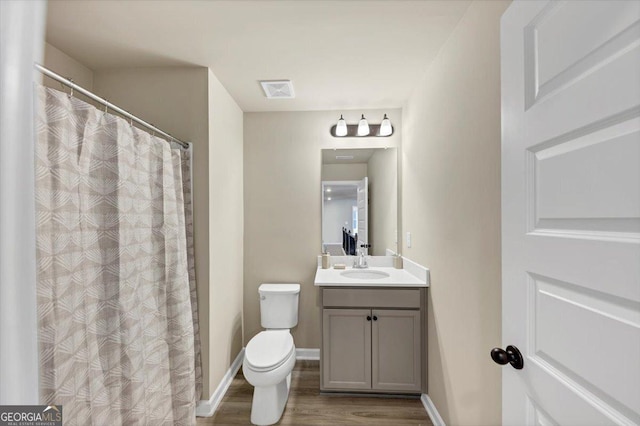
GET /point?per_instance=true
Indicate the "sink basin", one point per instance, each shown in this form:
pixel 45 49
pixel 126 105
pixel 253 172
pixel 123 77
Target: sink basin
pixel 364 274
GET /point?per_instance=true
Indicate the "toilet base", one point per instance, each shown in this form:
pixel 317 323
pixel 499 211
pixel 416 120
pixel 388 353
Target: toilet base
pixel 269 402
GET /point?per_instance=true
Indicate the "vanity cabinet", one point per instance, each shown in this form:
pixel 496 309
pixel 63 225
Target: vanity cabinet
pixel 346 348
pixel 372 340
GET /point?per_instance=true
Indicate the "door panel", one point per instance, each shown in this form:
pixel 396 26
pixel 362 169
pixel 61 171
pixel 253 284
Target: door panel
pixel 569 192
pixel 609 326
pixel 396 350
pixel 346 349
pixel 566 40
pixel 556 257
pixel 571 211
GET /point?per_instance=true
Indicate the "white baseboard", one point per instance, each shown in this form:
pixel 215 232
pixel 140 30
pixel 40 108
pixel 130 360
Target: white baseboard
pixel 207 408
pixel 308 353
pixel 431 410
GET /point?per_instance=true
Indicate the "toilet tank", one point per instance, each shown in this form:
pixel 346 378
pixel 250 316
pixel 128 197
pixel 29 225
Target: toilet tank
pixel 279 305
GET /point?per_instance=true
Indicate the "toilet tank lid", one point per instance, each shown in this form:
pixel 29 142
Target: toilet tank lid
pixel 279 288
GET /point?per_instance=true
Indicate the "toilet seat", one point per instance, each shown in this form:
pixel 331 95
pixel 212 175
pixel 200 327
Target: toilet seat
pixel 269 349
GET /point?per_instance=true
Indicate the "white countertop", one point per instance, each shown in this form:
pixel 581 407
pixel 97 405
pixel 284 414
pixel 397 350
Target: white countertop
pixel 397 278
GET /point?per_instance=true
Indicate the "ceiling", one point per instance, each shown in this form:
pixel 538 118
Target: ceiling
pixel 339 54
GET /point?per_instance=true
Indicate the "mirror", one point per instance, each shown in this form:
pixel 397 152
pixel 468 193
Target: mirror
pixel 359 201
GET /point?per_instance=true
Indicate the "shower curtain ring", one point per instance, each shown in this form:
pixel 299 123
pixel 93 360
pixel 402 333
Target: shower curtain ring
pixel 71 93
pixel 106 106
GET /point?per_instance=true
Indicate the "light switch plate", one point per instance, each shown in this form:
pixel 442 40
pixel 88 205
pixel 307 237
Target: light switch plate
pixel 408 239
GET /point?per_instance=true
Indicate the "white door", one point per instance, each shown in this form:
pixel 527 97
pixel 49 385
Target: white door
pixel 571 211
pixel 363 212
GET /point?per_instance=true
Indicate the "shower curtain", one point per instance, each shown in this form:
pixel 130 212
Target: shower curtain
pixel 118 322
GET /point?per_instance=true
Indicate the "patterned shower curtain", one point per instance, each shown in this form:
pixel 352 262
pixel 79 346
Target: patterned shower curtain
pixel 118 320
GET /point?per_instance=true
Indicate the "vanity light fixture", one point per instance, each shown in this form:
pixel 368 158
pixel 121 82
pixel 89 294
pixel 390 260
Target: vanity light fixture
pixel 385 127
pixel 362 129
pixel 341 127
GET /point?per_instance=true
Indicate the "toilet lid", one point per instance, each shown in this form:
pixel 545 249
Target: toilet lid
pixel 268 349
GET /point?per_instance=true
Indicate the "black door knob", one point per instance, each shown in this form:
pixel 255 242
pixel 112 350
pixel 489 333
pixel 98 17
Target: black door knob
pixel 368 318
pixel 512 356
pixel 375 318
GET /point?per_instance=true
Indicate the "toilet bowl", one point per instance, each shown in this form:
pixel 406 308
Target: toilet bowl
pixel 268 361
pixel 270 355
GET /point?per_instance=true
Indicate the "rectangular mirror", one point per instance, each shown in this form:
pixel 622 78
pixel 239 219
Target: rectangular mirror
pixel 359 201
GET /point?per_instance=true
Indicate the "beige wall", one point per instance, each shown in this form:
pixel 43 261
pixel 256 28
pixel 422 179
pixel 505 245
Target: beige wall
pixel 225 230
pixel 66 66
pixel 383 195
pixel 451 205
pixel 282 175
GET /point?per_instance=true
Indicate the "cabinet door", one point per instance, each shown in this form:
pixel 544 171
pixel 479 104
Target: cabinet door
pixel 346 349
pixel 396 350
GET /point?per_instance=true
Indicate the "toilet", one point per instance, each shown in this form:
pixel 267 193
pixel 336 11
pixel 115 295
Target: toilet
pixel 270 355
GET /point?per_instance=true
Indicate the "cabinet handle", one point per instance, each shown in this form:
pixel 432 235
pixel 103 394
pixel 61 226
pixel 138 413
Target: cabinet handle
pixel 368 318
pixel 375 318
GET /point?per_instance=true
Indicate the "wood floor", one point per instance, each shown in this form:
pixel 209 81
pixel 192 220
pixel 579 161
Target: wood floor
pixel 307 407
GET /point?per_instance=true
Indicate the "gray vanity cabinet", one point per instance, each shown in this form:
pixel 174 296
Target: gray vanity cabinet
pixel 372 340
pixel 396 350
pixel 346 350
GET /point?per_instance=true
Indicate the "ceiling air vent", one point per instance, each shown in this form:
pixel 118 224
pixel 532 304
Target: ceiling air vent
pixel 278 89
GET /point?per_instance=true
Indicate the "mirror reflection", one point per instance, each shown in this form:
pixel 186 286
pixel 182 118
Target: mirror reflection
pixel 359 201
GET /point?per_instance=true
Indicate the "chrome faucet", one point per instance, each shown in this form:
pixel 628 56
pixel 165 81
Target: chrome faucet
pixel 361 261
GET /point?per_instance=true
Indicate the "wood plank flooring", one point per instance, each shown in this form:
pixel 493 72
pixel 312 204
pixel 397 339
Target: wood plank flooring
pixel 307 407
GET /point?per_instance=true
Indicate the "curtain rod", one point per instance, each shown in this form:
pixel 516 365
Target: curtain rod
pixel 68 82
